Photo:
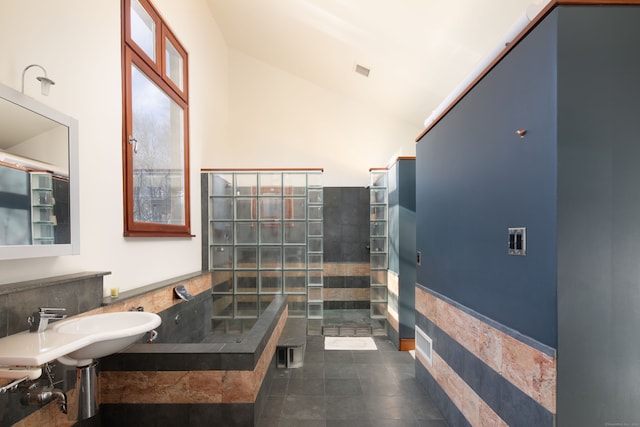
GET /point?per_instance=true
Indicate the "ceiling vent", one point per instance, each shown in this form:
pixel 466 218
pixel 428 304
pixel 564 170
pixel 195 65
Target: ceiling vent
pixel 362 70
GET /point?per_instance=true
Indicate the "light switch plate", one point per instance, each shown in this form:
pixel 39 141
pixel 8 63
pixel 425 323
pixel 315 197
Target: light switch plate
pixel 517 243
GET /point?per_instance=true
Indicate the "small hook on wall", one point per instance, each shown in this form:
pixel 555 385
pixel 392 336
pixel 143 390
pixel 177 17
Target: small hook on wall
pixel 521 132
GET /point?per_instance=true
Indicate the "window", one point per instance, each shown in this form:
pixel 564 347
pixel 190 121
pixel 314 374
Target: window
pixel 156 126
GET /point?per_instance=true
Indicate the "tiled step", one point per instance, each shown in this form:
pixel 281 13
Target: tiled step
pixel 347 330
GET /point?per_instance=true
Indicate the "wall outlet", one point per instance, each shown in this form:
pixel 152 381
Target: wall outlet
pixel 517 243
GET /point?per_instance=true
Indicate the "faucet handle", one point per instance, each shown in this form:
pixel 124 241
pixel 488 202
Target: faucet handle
pixel 51 310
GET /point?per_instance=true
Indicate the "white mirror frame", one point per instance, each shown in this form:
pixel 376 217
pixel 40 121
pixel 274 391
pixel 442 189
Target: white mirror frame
pixel 72 248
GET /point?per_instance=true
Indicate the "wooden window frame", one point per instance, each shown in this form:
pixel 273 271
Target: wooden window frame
pixel 133 55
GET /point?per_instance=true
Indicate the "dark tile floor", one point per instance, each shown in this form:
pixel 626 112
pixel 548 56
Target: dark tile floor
pixel 349 388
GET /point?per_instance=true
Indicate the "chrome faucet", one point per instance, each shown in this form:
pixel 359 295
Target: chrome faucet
pixel 39 320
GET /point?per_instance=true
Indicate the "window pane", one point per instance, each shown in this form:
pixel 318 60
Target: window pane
pixel 158 158
pixel 143 29
pixel 174 63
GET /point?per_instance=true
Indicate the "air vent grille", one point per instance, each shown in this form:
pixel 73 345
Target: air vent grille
pixel 362 70
pixel 424 345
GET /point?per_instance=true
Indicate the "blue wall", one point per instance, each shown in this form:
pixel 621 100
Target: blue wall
pixel 598 216
pixel 476 178
pixel 402 239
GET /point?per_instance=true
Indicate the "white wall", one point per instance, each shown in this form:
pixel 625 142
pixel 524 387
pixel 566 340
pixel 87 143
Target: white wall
pixel 279 120
pixel 243 114
pixel 78 42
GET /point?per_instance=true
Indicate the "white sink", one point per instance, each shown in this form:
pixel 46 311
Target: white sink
pixel 75 341
pixel 110 333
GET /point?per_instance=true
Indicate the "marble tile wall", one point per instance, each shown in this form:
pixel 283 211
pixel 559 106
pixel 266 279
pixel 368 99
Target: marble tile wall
pixel 491 374
pixel 212 386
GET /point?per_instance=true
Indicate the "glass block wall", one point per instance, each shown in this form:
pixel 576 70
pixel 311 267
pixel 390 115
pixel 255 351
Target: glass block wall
pixel 379 242
pixel 263 238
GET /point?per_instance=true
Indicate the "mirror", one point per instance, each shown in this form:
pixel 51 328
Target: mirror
pixel 39 212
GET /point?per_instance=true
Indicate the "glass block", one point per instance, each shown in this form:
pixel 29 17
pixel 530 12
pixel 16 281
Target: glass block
pixel 271 282
pixel 315 196
pixel 378 213
pixel 297 305
pixel 245 209
pixel 314 179
pixel 295 232
pixel 246 184
pixel 221 184
pixel 246 233
pixel 41 181
pixel 295 184
pixel 378 310
pixel 314 293
pixel 222 305
pixel 378 228
pixel 315 261
pixel 222 281
pixel 270 209
pixel 270 232
pixel 295 282
pixel 246 282
pixel 265 300
pixel 315 212
pixel 246 257
pixel 42 214
pixel 295 208
pixel 221 208
pixel 379 293
pixel 270 184
pixel 271 257
pixel 221 257
pixel 378 277
pixel 378 244
pixel 379 178
pixel 315 228
pixel 315 278
pixel 221 233
pixel 378 262
pixel 315 310
pixel 378 195
pixel 315 244
pixel 295 257
pixel 246 306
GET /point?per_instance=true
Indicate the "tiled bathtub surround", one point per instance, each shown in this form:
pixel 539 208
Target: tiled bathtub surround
pixel 193 383
pixel 483 373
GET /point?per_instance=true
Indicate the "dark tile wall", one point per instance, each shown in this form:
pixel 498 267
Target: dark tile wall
pixel 76 292
pixel 346 240
pixel 346 224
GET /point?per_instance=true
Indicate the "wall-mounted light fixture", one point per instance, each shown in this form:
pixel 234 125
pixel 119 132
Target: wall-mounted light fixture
pixel 45 82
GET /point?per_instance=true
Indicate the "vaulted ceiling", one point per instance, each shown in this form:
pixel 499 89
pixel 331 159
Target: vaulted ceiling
pixel 417 51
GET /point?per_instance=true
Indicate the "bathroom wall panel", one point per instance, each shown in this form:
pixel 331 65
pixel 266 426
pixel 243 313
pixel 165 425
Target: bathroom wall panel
pixel 476 178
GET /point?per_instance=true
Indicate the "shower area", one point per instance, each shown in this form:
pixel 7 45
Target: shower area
pixel 270 232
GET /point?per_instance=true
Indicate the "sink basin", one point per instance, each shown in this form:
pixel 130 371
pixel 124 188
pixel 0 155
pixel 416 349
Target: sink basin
pixel 75 341
pixel 109 332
